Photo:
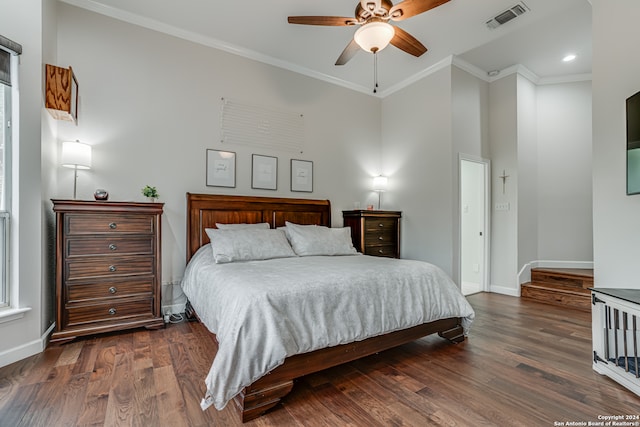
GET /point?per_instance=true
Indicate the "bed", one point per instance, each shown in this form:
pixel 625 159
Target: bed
pixel 255 373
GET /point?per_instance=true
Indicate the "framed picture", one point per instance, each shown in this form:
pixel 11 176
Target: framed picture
pixel 301 175
pixel 264 172
pixel 221 168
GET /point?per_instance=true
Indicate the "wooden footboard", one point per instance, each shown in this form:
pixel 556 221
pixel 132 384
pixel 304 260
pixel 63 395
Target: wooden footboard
pixel 256 399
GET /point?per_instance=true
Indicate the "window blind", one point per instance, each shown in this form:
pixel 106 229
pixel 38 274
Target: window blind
pixel 7 48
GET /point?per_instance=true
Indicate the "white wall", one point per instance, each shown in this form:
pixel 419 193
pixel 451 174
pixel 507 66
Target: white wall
pixel 417 158
pixel 470 114
pixel 616 76
pixel 503 109
pixel 24 337
pixel 565 220
pixel 527 168
pixel 150 106
pixel 48 165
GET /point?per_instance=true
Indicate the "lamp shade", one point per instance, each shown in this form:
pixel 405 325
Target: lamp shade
pixel 380 183
pixel 76 155
pixel 374 36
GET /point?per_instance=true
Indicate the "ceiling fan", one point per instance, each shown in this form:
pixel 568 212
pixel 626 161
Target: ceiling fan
pixel 375 32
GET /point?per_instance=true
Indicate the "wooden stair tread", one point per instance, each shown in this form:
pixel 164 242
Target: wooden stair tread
pixel 557 288
pixel 564 278
pixel 558 297
pixel 576 272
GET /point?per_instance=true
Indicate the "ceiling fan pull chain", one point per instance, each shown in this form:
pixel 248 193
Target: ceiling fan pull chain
pixel 375 72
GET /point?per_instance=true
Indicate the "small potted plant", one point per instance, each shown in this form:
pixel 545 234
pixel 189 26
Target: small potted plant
pixel 150 192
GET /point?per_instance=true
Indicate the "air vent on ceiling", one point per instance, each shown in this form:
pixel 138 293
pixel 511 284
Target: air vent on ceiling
pixel 507 15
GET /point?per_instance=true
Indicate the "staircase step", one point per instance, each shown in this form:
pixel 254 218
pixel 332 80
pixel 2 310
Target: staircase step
pixel 566 277
pixel 569 288
pixel 557 295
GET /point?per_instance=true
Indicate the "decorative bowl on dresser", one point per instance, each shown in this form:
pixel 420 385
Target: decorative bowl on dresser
pixel 108 267
pixel 374 232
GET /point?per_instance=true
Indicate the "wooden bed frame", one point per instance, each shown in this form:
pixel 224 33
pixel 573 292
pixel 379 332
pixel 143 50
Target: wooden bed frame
pixel 204 210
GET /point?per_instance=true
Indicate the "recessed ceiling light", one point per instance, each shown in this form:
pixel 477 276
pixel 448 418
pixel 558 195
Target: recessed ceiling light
pixel 569 58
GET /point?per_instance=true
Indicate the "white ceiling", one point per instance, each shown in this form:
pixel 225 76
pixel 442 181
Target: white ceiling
pixel 258 29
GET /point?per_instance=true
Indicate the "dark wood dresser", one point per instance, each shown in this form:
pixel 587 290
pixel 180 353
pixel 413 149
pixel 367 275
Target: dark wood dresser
pixel 374 232
pixel 108 267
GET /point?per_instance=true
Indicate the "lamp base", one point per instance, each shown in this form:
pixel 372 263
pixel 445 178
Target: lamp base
pixel 75 181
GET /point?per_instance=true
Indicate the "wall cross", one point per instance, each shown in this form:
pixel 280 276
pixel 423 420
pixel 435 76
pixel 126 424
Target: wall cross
pixel 503 177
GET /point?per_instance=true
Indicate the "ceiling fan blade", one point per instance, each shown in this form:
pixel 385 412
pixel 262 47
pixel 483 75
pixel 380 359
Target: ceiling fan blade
pixel 405 41
pixel 408 8
pixel 322 20
pixel 348 53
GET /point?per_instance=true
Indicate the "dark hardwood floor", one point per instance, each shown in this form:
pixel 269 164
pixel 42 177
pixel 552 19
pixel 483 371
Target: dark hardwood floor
pixel 524 364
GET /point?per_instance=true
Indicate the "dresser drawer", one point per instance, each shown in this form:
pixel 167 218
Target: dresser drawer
pixel 109 245
pixel 111 311
pixel 109 266
pixel 109 289
pixel 79 224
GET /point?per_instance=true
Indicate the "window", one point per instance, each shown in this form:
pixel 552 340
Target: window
pixel 9 52
pixel 5 145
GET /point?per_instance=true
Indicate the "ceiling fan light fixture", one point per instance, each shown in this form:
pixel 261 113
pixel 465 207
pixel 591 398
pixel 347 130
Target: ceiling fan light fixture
pixel 374 36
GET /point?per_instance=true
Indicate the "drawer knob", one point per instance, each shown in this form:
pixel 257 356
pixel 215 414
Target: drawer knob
pixel 113 290
pixel 113 247
pixel 113 225
pixel 381 225
pixel 380 238
pixel 112 311
pixel 112 268
pixel 380 251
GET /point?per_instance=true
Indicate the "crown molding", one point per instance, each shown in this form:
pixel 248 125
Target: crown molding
pixel 471 69
pixel 171 30
pixel 161 27
pixel 418 76
pixel 565 79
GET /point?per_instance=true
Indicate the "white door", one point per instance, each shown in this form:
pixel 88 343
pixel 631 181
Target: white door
pixel 474 202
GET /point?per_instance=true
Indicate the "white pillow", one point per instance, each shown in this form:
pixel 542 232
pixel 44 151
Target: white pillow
pixel 248 244
pixel 243 226
pixel 309 240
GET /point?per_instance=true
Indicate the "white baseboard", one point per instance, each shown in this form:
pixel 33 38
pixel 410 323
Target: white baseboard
pixel 25 350
pixel 504 290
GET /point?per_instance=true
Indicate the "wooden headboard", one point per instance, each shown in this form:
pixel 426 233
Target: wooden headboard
pixel 204 210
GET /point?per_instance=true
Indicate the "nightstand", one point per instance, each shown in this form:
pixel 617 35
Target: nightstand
pixel 374 232
pixel 108 267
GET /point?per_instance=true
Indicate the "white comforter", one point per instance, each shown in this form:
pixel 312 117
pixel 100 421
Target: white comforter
pixel 264 311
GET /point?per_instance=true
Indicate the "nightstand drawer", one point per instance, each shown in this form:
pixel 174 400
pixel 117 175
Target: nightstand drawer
pixel 111 311
pixel 110 245
pixel 388 237
pixel 105 223
pixel 373 224
pixel 384 250
pixel 78 293
pixel 106 266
